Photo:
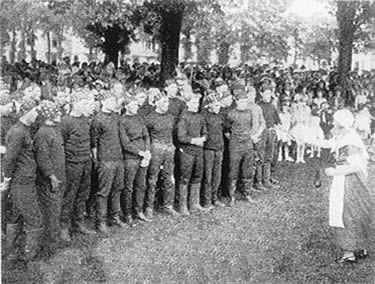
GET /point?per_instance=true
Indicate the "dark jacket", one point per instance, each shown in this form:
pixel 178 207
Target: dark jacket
pixel 160 127
pixel 215 128
pixel 134 136
pixel 105 136
pixel 270 114
pixel 50 154
pixel 240 125
pixel 19 160
pixel 76 135
pixel 191 125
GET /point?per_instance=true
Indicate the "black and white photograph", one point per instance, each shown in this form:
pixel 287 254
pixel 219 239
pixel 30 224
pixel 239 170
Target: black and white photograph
pixel 187 141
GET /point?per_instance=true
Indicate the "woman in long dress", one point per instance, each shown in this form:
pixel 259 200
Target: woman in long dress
pixel 350 204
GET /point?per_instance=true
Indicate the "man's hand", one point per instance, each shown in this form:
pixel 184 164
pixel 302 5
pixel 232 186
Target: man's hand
pixel 94 154
pixel 145 154
pixel 54 182
pixel 329 171
pixel 199 141
pixel 4 186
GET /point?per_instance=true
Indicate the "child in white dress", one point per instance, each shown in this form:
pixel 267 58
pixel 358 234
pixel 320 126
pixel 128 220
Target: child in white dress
pixel 300 130
pixel 283 131
pixel 316 132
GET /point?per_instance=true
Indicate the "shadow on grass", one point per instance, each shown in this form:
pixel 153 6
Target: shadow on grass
pixel 73 263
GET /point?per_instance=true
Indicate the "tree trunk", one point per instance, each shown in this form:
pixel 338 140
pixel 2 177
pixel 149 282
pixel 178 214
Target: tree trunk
pixel 187 47
pixel 223 55
pixel 13 47
pixel 32 44
pixel 22 46
pixel 345 16
pixel 111 46
pixel 170 41
pixel 48 48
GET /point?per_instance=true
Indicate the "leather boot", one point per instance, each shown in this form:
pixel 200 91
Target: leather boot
pixel 207 196
pixel 81 228
pixel 267 177
pixel 194 198
pixel 101 214
pixel 150 199
pixel 149 213
pixel 64 235
pixel 12 233
pixel 183 191
pixel 232 192
pixel 142 217
pixel 116 221
pixel 102 227
pixel 31 244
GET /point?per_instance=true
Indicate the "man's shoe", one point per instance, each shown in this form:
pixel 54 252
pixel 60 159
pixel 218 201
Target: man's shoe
pixel 143 218
pixel 170 211
pixel 129 220
pixel 208 207
pixel 117 222
pixel 258 188
pixel 81 228
pixel 251 199
pixel 232 202
pixel 270 186
pixel 218 203
pixel 65 236
pixel 275 181
pixel 102 228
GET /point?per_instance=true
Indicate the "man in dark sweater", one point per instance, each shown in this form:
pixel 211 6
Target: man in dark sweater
pixel 191 132
pixel 268 140
pixel 160 124
pixel 50 157
pixel 240 128
pixel 75 130
pixel 213 151
pixel 106 150
pixel 19 168
pixel 136 148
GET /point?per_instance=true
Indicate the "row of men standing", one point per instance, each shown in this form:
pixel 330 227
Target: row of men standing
pixel 49 175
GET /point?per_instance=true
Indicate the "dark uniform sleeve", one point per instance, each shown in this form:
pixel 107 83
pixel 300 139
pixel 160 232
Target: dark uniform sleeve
pixel 65 130
pixel 182 132
pixel 42 154
pixel 146 138
pixel 276 116
pixel 126 144
pixel 204 131
pixel 14 143
pixel 95 131
pixel 228 120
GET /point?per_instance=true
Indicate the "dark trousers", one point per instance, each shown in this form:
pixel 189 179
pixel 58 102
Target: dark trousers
pixel 266 148
pixel 241 164
pixel 162 164
pixel 51 203
pixel 135 181
pixel 191 168
pixel 76 193
pixel 25 206
pixel 212 174
pixel 111 183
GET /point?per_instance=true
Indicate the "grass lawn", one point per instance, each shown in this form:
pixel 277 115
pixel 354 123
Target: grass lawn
pixel 285 238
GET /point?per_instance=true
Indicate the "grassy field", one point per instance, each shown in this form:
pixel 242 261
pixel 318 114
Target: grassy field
pixel 284 238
